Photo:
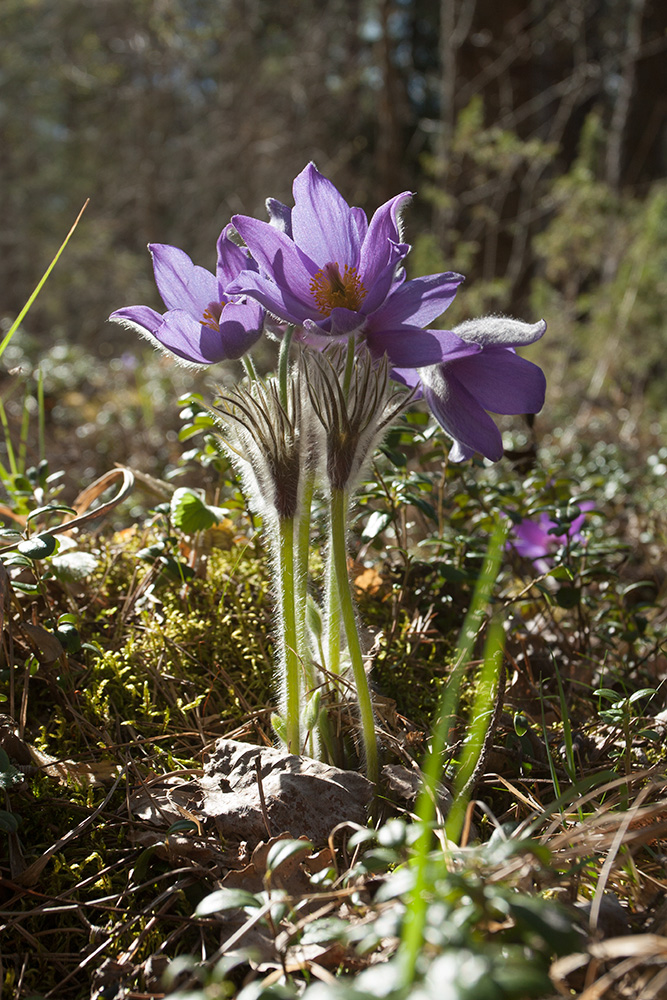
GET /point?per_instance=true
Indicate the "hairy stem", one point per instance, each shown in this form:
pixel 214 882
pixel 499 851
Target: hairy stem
pixel 349 623
pixel 283 364
pixel 301 591
pixel 289 636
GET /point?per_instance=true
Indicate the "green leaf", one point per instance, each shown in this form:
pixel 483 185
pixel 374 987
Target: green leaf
pixel 375 524
pixel 182 825
pixel 546 918
pixel 283 850
pixel 8 822
pixel 190 514
pixel 568 597
pixel 52 508
pixel 68 635
pixel 9 775
pixel 72 567
pixel 643 693
pixel 226 899
pixel 325 929
pixel 38 547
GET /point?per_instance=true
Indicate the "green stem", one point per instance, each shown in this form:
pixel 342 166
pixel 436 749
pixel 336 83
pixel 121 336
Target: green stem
pixel 41 416
pixel 290 655
pixel 249 366
pixel 333 619
pixel 349 366
pixel 283 364
pixel 349 621
pixel 301 589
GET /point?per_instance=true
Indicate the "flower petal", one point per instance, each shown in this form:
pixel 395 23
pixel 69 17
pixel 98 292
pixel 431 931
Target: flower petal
pixel 410 378
pixel 385 280
pixel 182 284
pixel 277 299
pixel 412 347
pixel 176 332
pixel 460 415
pixel 361 222
pixel 241 326
pixel 532 539
pixel 232 259
pixel 502 381
pixel 141 318
pixel 278 257
pixel 384 230
pixel 501 331
pixel 323 224
pixel 420 300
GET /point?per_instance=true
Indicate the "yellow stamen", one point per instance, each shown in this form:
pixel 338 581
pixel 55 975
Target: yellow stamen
pixel 332 290
pixel 212 314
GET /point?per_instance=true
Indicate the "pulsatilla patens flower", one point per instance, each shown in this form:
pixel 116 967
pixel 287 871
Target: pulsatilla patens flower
pixel 203 323
pixel 538 539
pixel 325 268
pixel 494 377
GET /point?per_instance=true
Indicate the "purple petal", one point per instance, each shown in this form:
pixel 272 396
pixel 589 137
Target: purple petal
pixel 532 539
pixel 409 377
pixel 182 284
pixel 384 229
pixel 500 331
pixel 176 332
pixel 240 327
pixel 143 319
pixel 277 299
pixel 461 416
pixel 420 301
pixel 383 283
pixel 232 259
pixel 278 256
pixel 323 223
pixel 361 222
pixel 410 344
pixel 341 321
pixel 411 347
pixel 501 381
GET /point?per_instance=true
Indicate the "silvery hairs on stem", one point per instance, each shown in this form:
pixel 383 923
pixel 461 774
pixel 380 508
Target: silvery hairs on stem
pixel 355 416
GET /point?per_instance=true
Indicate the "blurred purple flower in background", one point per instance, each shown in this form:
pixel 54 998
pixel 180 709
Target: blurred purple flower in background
pixel 324 268
pixel 535 538
pixel 203 324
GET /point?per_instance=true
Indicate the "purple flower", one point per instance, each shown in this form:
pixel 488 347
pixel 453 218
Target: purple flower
pixel 203 323
pixel 535 538
pixel 463 387
pixel 324 268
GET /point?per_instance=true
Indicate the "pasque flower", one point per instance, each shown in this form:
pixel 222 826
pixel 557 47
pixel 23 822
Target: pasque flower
pixel 493 377
pixel 203 323
pixel 539 538
pixel 325 268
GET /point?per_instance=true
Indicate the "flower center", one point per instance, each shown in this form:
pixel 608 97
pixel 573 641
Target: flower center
pixel 212 314
pixel 331 290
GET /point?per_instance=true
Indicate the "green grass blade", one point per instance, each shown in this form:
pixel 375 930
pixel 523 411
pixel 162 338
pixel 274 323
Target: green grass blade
pixel 21 316
pixel 415 918
pixel 480 720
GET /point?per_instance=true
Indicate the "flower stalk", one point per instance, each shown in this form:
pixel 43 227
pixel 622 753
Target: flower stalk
pixel 348 619
pixel 288 635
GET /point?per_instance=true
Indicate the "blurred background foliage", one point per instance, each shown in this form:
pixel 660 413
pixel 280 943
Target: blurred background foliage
pixel 533 134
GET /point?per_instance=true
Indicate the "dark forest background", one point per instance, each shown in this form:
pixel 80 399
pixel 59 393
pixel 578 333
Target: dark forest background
pixel 532 132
